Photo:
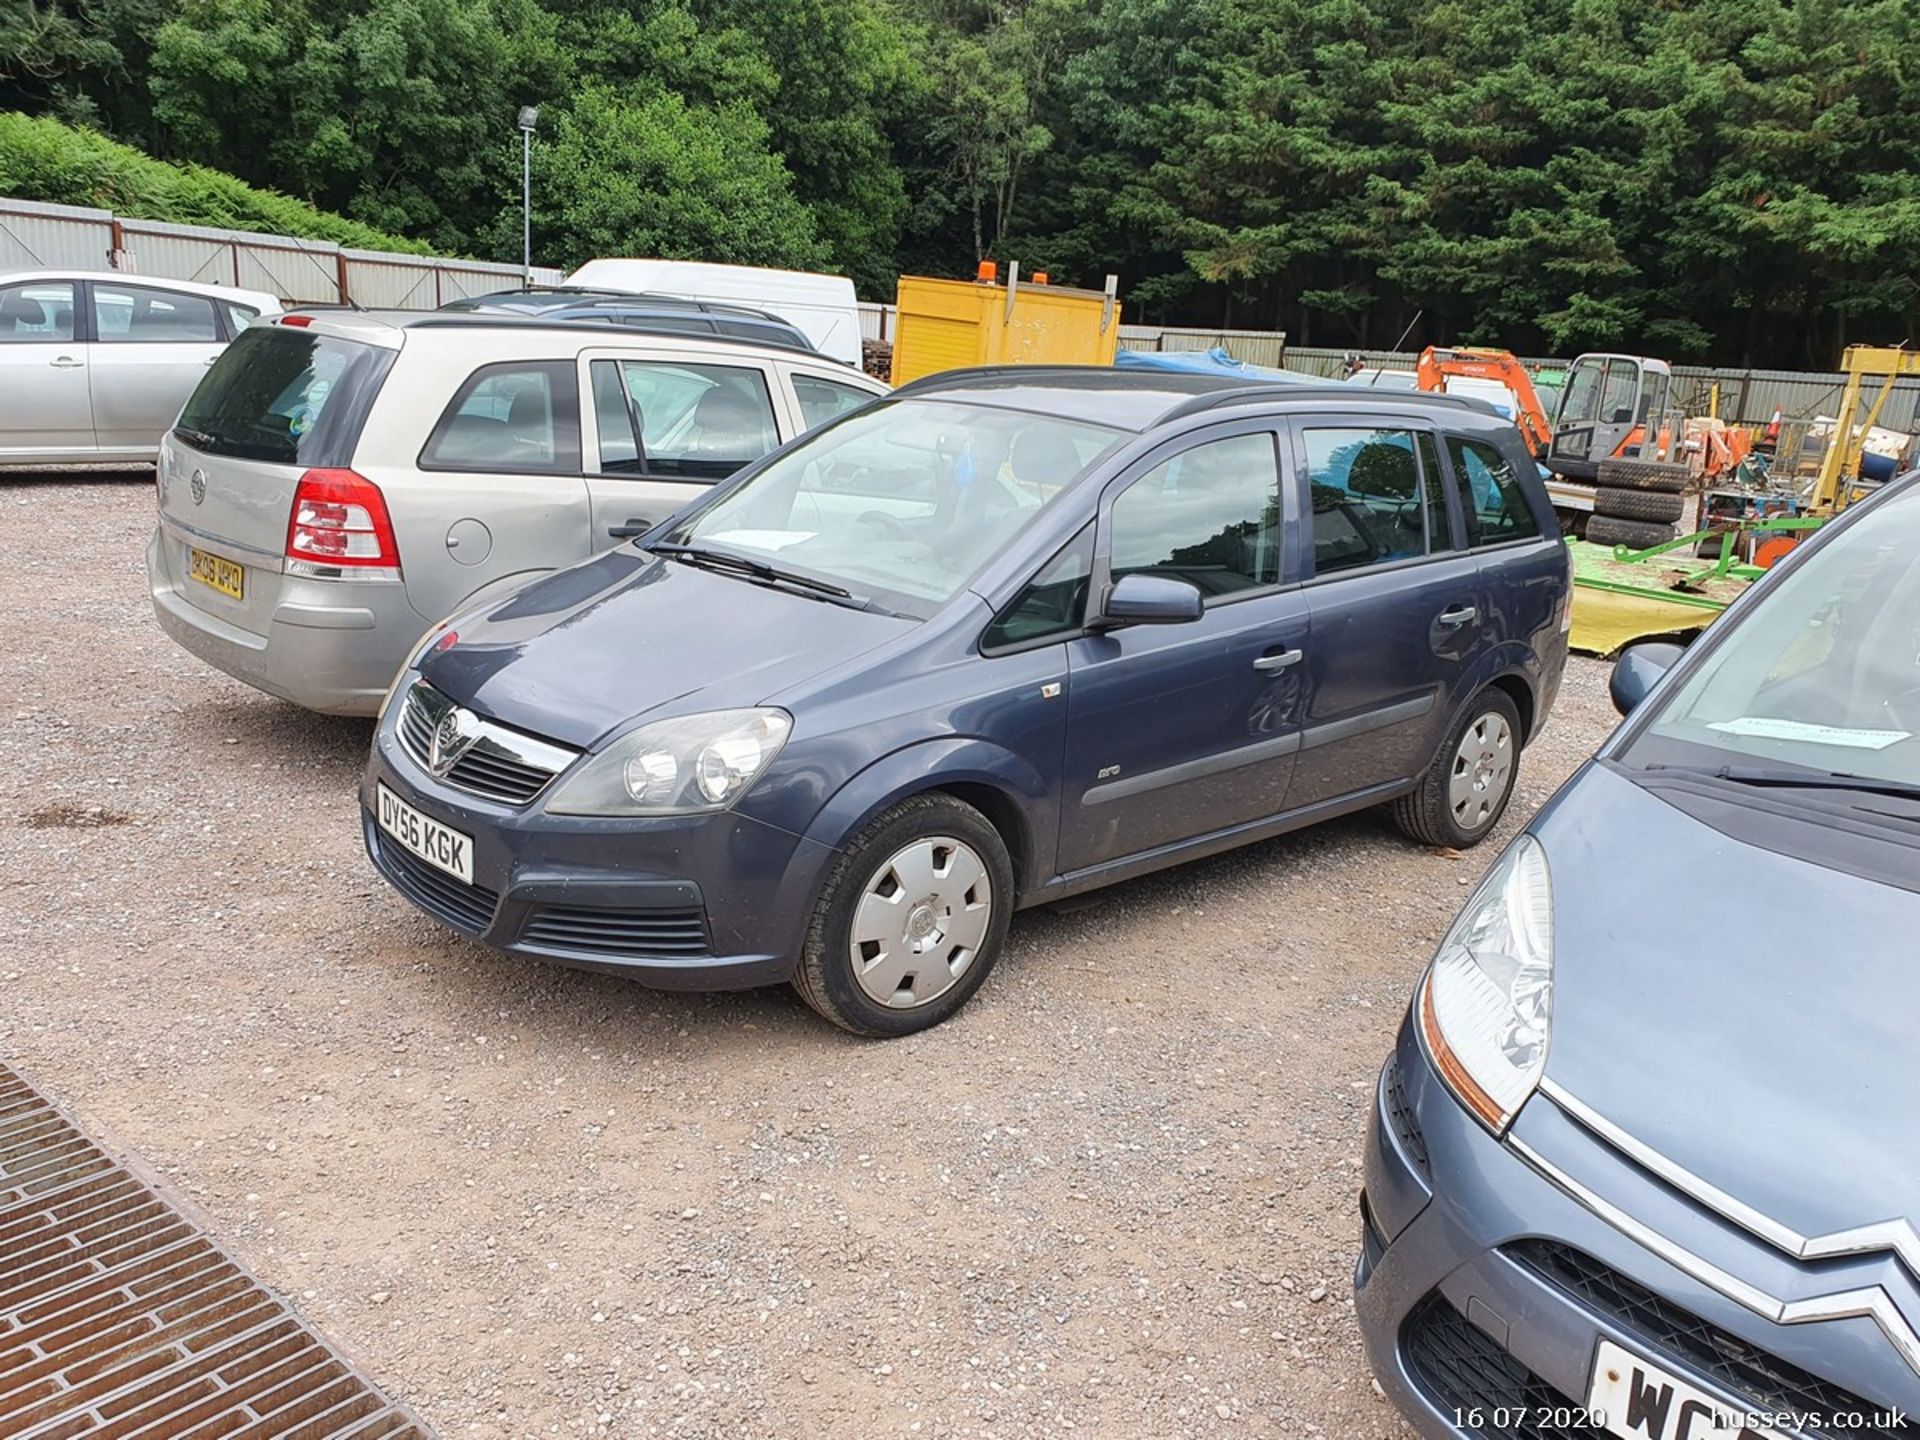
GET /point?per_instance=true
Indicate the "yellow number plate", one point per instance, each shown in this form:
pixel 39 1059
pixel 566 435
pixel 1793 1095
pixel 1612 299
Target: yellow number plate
pixel 217 574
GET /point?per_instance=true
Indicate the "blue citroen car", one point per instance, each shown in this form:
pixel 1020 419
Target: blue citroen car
pixel 1000 638
pixel 1646 1160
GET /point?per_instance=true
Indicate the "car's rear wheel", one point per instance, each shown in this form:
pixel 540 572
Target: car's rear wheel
pixel 1466 788
pixel 910 921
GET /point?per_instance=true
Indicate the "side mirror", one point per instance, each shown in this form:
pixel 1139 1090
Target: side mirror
pixel 1150 600
pixel 1639 669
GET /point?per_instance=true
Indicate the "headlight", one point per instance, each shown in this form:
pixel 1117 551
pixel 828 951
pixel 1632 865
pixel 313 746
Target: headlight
pixel 676 767
pixel 1487 1004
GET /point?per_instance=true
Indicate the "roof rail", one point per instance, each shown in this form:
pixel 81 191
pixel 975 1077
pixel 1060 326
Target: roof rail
pixel 983 374
pixel 1283 390
pixel 486 319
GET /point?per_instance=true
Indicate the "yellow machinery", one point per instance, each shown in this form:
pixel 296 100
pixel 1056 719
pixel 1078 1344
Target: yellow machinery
pixel 1840 470
pixel 946 324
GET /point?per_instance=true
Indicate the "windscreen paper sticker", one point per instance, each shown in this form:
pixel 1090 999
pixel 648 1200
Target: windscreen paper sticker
pixel 1762 727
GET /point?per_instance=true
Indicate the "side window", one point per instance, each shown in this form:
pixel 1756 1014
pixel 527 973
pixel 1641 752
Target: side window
pixel 1370 502
pixel 1496 505
pixel 680 421
pixel 239 316
pixel 519 416
pixel 39 312
pixel 823 400
pixel 1054 601
pixel 1582 399
pixel 134 315
pixel 1622 390
pixel 1209 516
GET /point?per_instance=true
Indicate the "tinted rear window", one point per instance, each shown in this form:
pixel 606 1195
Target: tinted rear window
pixel 285 395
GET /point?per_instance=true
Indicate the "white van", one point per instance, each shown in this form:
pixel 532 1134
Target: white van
pixel 822 306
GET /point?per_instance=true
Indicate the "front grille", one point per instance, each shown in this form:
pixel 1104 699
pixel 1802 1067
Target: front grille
pixel 1766 1382
pixel 499 763
pixel 1406 1125
pixel 1462 1369
pixel 618 932
pixel 463 906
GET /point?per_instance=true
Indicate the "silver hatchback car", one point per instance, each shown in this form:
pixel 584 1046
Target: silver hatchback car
pixel 95 364
pixel 341 480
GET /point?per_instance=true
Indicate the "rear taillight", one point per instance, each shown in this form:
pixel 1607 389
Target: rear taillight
pixel 340 528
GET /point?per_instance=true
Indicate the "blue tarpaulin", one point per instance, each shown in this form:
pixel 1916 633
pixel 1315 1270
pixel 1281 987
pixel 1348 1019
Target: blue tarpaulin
pixel 1207 362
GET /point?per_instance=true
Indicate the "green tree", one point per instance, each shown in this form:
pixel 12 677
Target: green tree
pixel 649 174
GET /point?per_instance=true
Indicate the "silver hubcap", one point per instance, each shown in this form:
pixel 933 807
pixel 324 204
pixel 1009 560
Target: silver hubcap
pixel 1482 769
pixel 920 922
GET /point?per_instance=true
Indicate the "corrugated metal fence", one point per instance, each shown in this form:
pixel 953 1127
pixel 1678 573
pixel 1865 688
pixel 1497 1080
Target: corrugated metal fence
pixel 1747 397
pixel 34 236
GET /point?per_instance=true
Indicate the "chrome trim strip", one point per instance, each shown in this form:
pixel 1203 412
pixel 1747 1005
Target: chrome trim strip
pixel 487 739
pixel 1897 1235
pixel 1867 1302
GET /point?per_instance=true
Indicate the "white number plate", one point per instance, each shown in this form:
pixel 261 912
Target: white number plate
pixel 433 842
pixel 1633 1397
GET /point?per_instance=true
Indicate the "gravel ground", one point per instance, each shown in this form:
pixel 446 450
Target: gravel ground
pixel 1115 1196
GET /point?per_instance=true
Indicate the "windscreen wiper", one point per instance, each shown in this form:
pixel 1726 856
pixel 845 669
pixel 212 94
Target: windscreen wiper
pixel 1802 779
pixel 745 565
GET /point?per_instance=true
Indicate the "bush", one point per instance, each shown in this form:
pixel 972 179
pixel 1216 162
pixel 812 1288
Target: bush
pixel 58 164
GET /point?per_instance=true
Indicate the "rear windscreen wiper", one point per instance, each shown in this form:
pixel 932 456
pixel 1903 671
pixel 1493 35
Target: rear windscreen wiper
pixel 1802 779
pixel 759 569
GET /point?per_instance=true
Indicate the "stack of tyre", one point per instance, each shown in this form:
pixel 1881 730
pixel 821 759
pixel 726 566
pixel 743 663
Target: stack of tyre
pixel 1638 503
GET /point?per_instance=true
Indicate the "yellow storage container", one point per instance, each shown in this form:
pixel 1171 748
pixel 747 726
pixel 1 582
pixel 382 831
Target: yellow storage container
pixel 947 324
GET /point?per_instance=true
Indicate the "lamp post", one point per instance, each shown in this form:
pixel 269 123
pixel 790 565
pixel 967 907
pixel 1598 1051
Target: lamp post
pixel 529 117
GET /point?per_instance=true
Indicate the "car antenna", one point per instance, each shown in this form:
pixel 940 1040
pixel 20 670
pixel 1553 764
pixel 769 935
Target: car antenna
pixel 1398 343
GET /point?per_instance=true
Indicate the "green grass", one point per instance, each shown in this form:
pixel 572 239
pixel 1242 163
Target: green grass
pixel 58 164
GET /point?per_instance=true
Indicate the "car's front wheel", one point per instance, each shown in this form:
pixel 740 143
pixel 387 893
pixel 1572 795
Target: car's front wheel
pixel 910 921
pixel 1466 788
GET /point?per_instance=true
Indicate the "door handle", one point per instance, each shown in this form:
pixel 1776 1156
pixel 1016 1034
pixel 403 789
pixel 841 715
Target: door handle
pixel 635 525
pixel 65 362
pixel 1459 615
pixel 1280 661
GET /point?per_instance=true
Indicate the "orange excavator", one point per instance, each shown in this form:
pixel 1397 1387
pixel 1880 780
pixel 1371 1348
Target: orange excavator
pixel 1437 366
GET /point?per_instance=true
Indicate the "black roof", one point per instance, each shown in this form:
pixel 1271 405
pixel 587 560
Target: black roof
pixel 1139 400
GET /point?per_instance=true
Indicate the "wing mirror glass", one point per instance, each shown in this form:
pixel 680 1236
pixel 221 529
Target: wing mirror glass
pixel 1150 600
pixel 1639 669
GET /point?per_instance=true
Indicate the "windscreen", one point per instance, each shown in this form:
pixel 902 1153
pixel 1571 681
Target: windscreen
pixel 903 501
pixel 285 395
pixel 1822 675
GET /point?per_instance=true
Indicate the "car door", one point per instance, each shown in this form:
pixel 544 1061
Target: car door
pixel 1177 731
pixel 662 428
pixel 495 495
pixel 1396 602
pixel 1522 563
pixel 48 414
pixel 149 348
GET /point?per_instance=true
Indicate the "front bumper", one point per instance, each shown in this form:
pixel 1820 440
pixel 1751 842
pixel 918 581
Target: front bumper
pixel 700 902
pixel 329 646
pixel 1483 1289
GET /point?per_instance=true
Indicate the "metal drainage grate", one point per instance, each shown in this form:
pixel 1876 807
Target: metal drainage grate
pixel 120 1319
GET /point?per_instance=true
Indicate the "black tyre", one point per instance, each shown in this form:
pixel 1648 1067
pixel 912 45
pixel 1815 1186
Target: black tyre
pixel 1645 475
pixel 1634 534
pixel 1466 788
pixel 911 920
pixel 1656 505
